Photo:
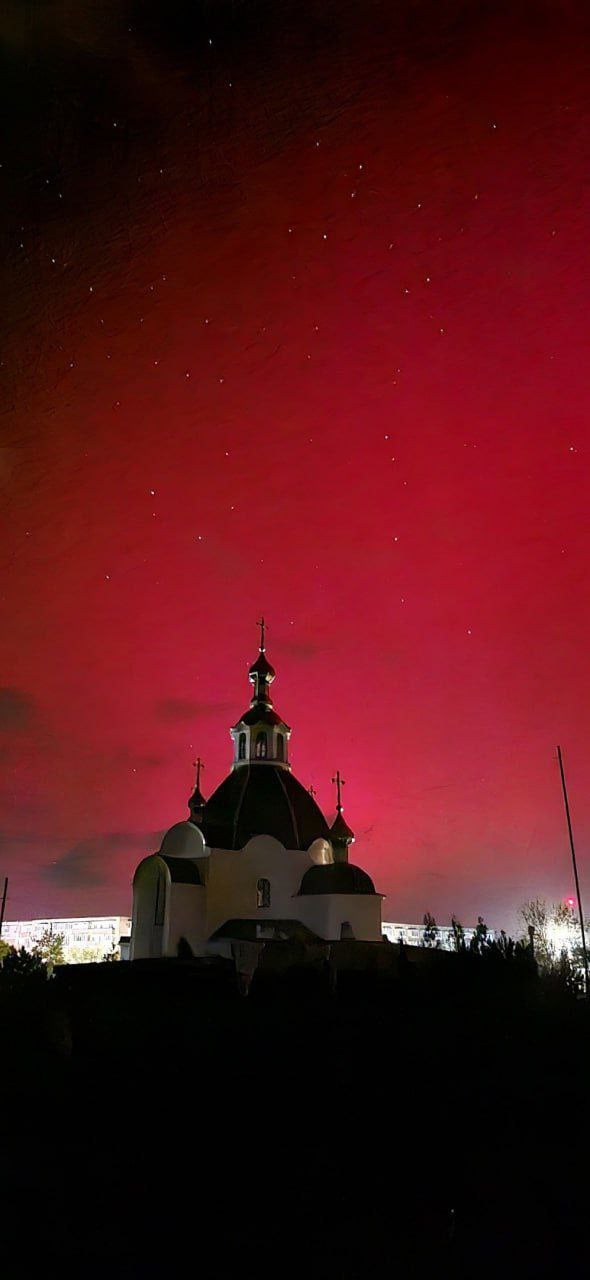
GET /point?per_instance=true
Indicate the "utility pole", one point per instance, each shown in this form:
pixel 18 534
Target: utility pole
pixel 577 882
pixel 3 907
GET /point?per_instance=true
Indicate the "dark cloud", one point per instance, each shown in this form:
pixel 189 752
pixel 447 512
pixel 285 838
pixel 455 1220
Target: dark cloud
pixel 88 864
pixel 302 649
pixel 18 710
pixel 179 710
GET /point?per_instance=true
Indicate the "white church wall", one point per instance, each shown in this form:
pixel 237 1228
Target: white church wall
pixel 149 909
pixel 325 913
pixel 234 876
pixel 187 917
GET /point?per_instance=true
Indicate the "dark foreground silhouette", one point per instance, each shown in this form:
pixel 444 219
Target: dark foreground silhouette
pixel 426 1118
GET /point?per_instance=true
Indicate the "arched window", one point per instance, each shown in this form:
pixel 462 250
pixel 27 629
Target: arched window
pixel 263 893
pixel 280 747
pixel 261 746
pixel 160 899
pixel 242 747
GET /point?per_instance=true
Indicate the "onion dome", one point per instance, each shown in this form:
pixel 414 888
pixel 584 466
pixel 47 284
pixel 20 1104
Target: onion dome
pixel 341 835
pixel 183 840
pixel 263 799
pixel 196 802
pixel 337 877
pixel 261 673
pixel 340 830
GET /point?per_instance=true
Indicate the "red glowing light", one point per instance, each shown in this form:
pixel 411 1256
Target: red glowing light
pixel 425 614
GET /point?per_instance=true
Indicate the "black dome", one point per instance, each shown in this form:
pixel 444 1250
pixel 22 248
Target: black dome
pixel 336 877
pixel 262 667
pixel 260 799
pixel 340 829
pixel 259 714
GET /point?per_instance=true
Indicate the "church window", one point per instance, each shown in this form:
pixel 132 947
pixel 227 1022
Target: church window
pixel 242 747
pixel 280 747
pixel 261 746
pixel 263 893
pixel 160 900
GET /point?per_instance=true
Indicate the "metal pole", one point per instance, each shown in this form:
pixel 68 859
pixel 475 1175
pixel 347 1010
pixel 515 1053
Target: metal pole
pixel 577 882
pixel 3 907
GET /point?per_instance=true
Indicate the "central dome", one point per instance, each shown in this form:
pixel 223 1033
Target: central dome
pixel 262 800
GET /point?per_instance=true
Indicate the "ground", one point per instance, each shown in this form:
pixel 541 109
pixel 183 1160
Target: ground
pixel 404 1128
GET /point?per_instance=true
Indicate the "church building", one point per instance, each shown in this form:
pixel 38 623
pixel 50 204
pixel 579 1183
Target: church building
pixel 255 862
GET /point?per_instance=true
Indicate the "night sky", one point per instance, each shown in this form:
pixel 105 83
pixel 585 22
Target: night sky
pixel 296 321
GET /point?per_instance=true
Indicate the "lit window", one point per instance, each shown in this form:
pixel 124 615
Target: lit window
pixel 261 746
pixel 242 747
pixel 263 893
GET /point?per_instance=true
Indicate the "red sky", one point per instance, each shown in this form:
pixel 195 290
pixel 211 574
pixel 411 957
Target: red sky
pixel 299 325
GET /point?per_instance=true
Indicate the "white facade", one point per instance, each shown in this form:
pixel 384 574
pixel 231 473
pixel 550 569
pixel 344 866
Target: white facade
pixel 85 939
pixel 259 883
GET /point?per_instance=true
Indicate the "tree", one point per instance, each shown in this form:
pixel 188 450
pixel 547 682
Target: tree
pixel 458 934
pixel 21 965
pixel 430 936
pixel 479 938
pixel 5 949
pixel 556 930
pixel 110 956
pixel 49 947
pixel 85 955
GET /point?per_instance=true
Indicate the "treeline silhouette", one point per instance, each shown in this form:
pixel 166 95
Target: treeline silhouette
pixel 380 1109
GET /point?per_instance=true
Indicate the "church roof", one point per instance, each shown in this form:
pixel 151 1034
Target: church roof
pixel 265 931
pixel 260 799
pixel 183 840
pixel 259 714
pixel 340 830
pixel 336 877
pixel 262 667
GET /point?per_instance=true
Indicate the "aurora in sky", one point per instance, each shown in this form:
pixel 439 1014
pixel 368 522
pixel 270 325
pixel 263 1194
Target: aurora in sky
pixel 296 321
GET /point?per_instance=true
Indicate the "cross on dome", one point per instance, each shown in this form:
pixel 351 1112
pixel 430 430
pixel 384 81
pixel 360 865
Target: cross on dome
pixel 197 801
pixel 261 673
pixel 341 834
pixel 339 781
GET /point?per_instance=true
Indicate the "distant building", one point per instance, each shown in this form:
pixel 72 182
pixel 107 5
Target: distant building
pixel 413 935
pixel 257 861
pixel 85 939
pixel 89 938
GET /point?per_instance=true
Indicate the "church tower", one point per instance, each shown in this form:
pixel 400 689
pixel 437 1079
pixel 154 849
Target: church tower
pixel 341 835
pixel 260 735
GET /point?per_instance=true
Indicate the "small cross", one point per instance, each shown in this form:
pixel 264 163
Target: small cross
pixel 198 765
pixel 339 784
pixel 262 624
